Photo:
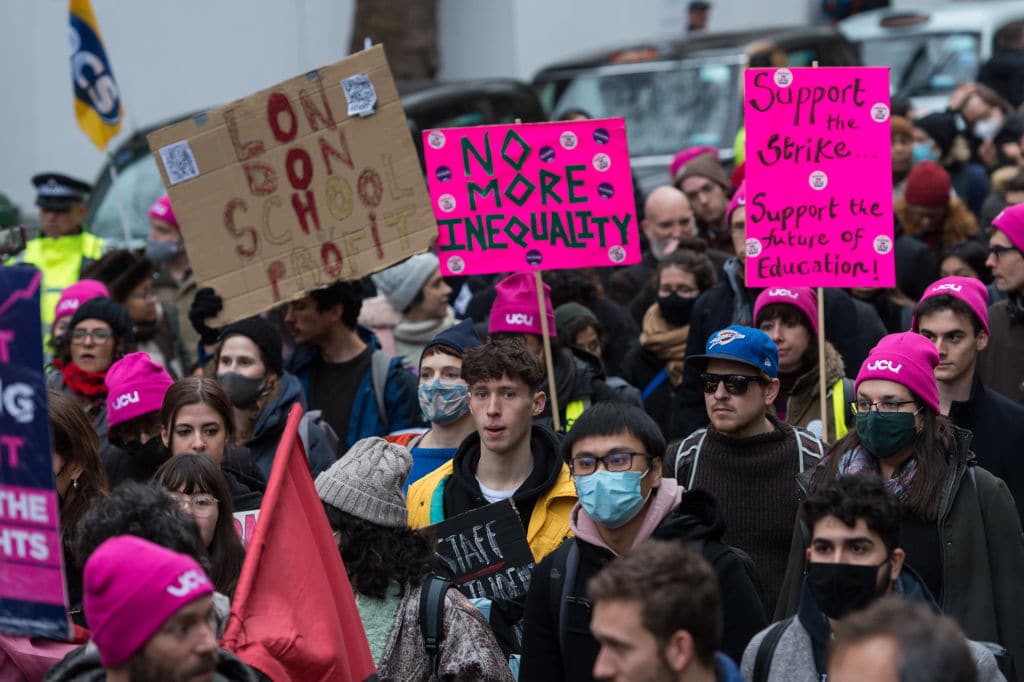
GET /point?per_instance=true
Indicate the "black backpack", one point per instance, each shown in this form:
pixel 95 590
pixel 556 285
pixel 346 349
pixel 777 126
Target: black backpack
pixel 432 595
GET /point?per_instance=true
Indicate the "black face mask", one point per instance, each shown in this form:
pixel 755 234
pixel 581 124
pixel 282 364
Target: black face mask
pixel 840 589
pixel 152 450
pixel 675 309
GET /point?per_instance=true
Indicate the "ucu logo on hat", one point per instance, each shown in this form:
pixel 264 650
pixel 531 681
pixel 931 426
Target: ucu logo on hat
pixel 885 365
pixel 68 306
pixel 126 399
pixel 948 286
pixel 724 337
pixel 784 292
pixel 188 582
pixel 519 318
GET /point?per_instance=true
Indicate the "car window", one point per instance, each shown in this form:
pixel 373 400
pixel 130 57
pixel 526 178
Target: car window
pixel 667 105
pixel 138 186
pixel 925 64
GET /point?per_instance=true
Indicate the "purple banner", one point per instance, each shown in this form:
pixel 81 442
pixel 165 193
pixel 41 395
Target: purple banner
pixel 33 595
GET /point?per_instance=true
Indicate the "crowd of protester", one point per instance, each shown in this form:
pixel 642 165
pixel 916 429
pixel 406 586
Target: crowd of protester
pixel 694 516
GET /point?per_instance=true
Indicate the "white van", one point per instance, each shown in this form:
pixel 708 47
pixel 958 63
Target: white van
pixel 931 48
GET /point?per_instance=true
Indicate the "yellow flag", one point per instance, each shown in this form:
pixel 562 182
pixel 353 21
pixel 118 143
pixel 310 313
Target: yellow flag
pixel 97 97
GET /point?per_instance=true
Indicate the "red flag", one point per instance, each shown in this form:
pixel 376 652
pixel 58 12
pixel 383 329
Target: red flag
pixel 294 615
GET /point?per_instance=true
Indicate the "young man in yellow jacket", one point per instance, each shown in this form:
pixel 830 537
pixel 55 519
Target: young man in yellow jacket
pixel 507 457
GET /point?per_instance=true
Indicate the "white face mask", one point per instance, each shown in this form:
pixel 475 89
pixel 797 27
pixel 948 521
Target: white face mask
pixel 987 128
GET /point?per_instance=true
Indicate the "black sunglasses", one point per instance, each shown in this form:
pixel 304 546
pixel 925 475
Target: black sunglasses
pixel 735 384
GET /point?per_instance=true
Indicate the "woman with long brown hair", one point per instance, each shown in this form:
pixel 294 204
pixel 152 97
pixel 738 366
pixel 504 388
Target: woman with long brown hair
pixel 79 477
pixel 202 490
pixel 196 417
pixel 960 530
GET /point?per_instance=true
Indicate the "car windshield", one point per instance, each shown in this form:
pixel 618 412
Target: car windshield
pixel 138 186
pixel 925 64
pixel 667 105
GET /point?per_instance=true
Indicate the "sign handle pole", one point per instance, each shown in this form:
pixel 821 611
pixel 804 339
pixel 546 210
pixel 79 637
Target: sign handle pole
pixel 555 414
pixel 822 388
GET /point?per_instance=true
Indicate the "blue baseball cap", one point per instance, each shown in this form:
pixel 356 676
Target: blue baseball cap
pixel 742 344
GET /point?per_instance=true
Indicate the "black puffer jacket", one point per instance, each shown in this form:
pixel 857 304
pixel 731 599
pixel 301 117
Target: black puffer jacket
pixel 83 665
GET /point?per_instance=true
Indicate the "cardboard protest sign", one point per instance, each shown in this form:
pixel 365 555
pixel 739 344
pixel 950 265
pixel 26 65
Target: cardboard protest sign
pixel 486 550
pixel 536 196
pixel 819 178
pixel 33 596
pixel 296 186
pixel 245 524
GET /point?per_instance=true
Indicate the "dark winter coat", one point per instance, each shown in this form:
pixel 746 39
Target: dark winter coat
pixel 982 553
pixel 579 378
pixel 696 519
pixel 269 426
pixel 1001 365
pixel 1004 73
pixel 641 367
pixel 997 424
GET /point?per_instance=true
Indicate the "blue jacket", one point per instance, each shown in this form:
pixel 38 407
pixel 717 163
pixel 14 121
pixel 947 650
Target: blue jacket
pixel 266 433
pixel 400 399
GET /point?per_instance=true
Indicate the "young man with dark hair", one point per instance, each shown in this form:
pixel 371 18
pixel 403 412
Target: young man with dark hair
pixel 897 640
pixel 953 315
pixel 657 618
pixel 1001 366
pixel 507 457
pixel 853 559
pixel 615 455
pixel 747 457
pixel 360 390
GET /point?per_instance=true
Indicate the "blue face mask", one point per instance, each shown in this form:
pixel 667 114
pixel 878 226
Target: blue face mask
pixel 612 498
pixel 443 403
pixel 161 252
pixel 923 151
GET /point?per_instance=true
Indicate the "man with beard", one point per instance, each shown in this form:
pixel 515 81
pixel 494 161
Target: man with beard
pixel 667 219
pixel 657 617
pixel 150 612
pixel 853 559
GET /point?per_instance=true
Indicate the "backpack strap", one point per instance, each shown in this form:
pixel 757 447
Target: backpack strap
pixel 808 447
pixel 432 593
pixel 572 567
pixel 766 651
pixel 380 362
pixel 654 383
pixel 688 454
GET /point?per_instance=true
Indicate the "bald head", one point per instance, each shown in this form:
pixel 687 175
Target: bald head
pixel 667 219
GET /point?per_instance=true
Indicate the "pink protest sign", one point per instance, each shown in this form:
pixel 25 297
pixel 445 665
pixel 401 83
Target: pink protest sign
pixel 536 196
pixel 819 178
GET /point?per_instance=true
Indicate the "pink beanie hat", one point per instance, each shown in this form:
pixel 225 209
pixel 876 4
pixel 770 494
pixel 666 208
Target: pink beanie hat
pixel 739 198
pixel 163 210
pixel 908 359
pixel 801 298
pixel 135 386
pixel 77 294
pixel 515 308
pixel 688 154
pixel 132 587
pixel 968 289
pixel 1011 222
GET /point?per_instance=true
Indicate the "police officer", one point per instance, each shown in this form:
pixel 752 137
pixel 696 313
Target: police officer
pixel 63 247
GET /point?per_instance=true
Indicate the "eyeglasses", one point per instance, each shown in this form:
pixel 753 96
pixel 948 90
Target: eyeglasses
pixel 997 251
pixel 863 406
pixel 735 384
pixel 585 463
pixel 97 335
pixel 201 505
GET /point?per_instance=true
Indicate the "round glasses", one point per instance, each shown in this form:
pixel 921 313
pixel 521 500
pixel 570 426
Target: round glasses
pixel 201 505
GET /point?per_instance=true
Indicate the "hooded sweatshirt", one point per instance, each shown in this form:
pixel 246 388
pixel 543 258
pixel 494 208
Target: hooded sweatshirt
pixel 670 514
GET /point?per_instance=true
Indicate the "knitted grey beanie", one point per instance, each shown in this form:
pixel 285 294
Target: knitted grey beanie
pixel 400 283
pixel 367 482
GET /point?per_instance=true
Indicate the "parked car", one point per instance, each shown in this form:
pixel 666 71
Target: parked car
pixel 681 93
pixel 427 105
pixel 931 49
